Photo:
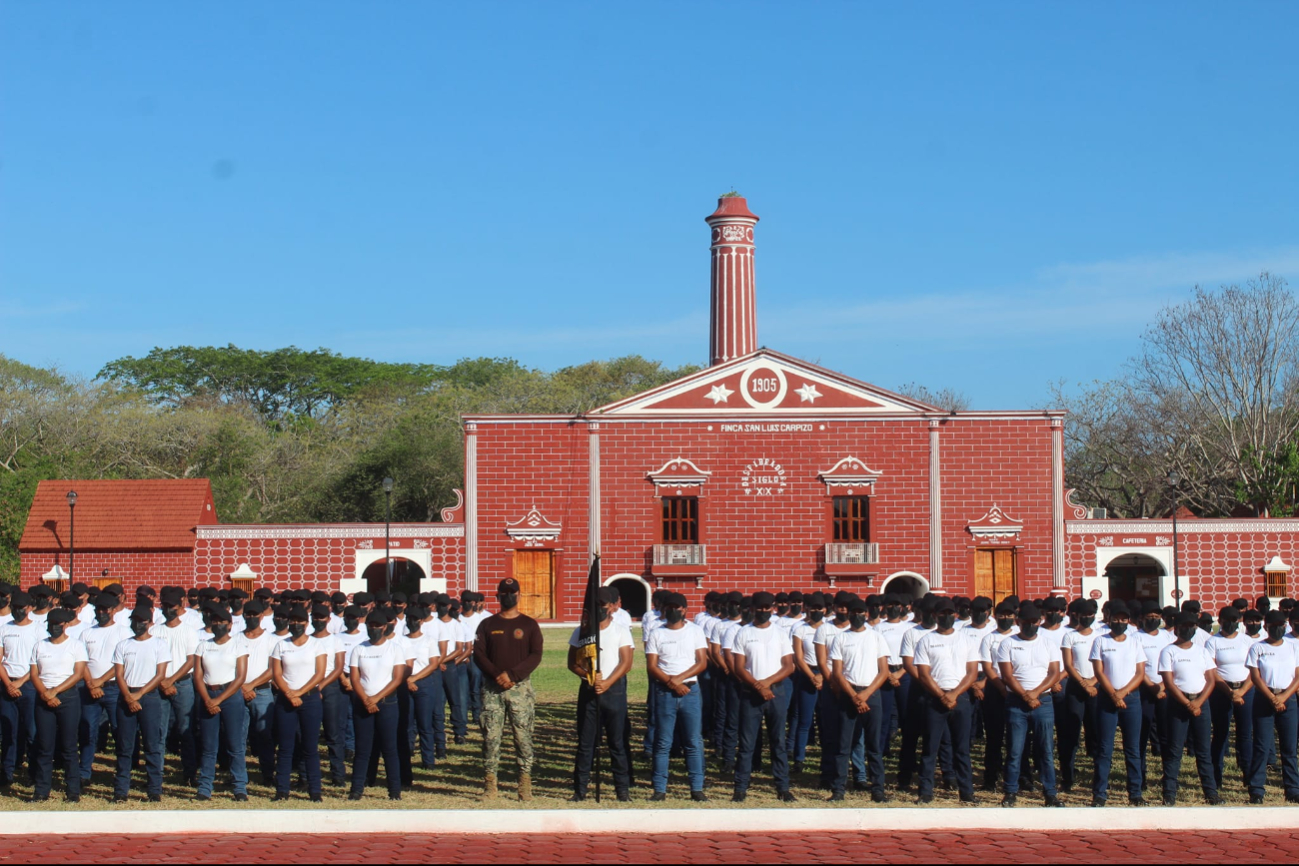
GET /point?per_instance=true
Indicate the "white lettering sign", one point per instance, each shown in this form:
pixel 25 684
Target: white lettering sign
pixel 763 477
pixel 766 428
pixel 1134 541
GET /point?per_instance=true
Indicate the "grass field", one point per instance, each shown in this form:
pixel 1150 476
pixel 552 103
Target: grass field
pixel 457 781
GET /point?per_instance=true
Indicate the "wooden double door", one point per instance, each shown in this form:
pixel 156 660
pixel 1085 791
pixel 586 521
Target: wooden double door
pixel 535 572
pixel 994 573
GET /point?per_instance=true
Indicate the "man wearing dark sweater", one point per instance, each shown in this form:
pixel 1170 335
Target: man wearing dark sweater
pixel 507 650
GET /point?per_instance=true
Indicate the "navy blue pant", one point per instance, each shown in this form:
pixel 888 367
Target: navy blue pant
pixel 1181 725
pixel 1021 722
pixel 94 715
pixel 1154 722
pixel 611 708
pixel 17 729
pixel 1078 713
pixel 424 706
pixel 56 737
pixel 754 712
pixel 376 732
pixel 475 686
pixel 954 726
pixel 146 723
pixel 457 694
pixel 851 727
pixel 1108 719
pixel 298 725
pixel 889 709
pixel 994 728
pixel 802 713
pixel 1269 725
pixel 912 723
pixel 829 721
pixel 227 732
pixel 1225 715
pixel 334 705
pixel 705 683
pixel 730 733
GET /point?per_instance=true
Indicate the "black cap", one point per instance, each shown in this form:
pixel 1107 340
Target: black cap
pixel 40 590
pixel 20 599
pixel 1229 612
pixel 1148 607
pixel 1119 607
pixel 842 598
pixel 399 598
pixel 676 599
pixel 69 599
pixel 338 598
pixel 142 614
pixel 262 593
pixel 382 597
pixel 238 593
pixel 981 602
pixel 61 615
pixel 353 611
pixel 857 606
pixel 735 597
pixel 104 601
pixel 763 599
pixel 320 611
pixel 80 588
pixel 507 585
pixel 814 599
pixel 1005 609
pixel 145 590
pixel 297 611
pixel 376 619
pixel 172 597
pixel 797 597
pixel 416 612
pixel 1030 611
pixel 256 607
pixel 1087 607
pixel 1191 606
pixel 319 597
pixel 608 595
pixel 217 613
pixel 782 598
pixel 1187 618
pixel 945 605
pixel 361 599
pixel 1274 618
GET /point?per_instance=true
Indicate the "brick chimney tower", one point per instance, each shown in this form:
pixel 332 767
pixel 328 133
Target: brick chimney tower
pixel 734 321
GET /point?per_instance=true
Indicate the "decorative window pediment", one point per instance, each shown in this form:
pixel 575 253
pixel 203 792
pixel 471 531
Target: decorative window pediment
pixel 533 528
pixel 996 525
pixel 677 477
pixel 850 477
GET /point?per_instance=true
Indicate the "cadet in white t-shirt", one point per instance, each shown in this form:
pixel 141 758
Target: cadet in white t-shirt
pixel 220 668
pixel 1118 660
pixel 1029 667
pixel 297 668
pixel 602 697
pixel 18 694
pixel 1078 708
pixel 1273 664
pixel 1189 677
pixel 377 668
pixel 947 663
pixel 58 664
pixel 675 656
pixel 424 679
pixel 141 665
pixel 994 695
pixel 333 701
pixel 858 663
pixel 763 659
pixel 258 640
pixel 1231 705
pixel 177 687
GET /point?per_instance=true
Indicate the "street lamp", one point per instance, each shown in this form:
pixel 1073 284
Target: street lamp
pixel 72 531
pixel 1173 480
pixel 387 532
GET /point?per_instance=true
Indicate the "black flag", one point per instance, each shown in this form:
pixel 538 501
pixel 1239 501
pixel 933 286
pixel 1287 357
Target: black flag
pixel 589 640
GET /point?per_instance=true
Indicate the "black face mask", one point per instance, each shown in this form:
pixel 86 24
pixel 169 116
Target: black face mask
pixel 139 627
pixel 1185 632
pixel 783 610
pixel 320 624
pixel 1086 621
pixel 391 629
pixel 1054 618
pixel 1228 627
pixel 252 622
pixel 338 609
pixel 350 623
pixel 280 624
pixel 297 629
pixel 236 606
pixel 946 621
pixel 171 613
pixel 1276 632
pixel 674 615
pixel 220 629
pixel 795 609
pixel 761 617
pixel 19 613
pixel 893 611
pixel 815 616
pixel 509 600
pixel 841 617
pixel 1118 628
pixel 56 630
pixel 1253 628
pixel 1028 632
pixel 443 610
pixel 376 633
pixel 603 612
pixel 746 616
pixel 857 620
pixel 413 625
pixel 1151 623
pixel 102 616
pixel 1004 623
pixel 979 618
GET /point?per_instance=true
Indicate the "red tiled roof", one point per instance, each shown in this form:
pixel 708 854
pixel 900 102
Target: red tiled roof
pixel 119 515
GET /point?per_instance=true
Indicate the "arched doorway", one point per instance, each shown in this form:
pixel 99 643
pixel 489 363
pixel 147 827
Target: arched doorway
pixel 907 582
pixel 1134 577
pixel 406 576
pixel 634 594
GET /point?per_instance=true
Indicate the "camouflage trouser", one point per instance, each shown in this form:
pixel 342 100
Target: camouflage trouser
pixel 520 704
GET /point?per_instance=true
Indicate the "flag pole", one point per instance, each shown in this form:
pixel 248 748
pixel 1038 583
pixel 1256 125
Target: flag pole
pixel 594 618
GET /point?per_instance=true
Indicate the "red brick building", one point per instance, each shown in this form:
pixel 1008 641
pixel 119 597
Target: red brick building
pixel 760 471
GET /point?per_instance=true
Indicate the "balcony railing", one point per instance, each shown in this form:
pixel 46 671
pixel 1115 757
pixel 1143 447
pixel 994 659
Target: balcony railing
pixel 854 553
pixel 680 554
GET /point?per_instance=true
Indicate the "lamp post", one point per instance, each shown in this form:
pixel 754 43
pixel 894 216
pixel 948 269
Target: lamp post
pixel 1173 480
pixel 72 532
pixel 387 533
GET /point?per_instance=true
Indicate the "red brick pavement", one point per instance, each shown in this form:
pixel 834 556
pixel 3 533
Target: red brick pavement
pixel 911 847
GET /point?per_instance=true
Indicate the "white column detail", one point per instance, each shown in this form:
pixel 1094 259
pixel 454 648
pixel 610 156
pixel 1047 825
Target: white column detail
pixel 593 504
pixel 1058 586
pixel 935 511
pixel 471 507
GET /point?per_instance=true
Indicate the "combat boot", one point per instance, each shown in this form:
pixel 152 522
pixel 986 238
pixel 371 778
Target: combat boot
pixel 525 787
pixel 489 788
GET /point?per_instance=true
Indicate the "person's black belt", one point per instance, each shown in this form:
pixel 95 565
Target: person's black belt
pixel 1191 696
pixel 1234 686
pixel 895 668
pixel 215 689
pixel 266 687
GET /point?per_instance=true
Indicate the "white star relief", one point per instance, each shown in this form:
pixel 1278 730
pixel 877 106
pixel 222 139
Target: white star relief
pixel 809 393
pixel 719 394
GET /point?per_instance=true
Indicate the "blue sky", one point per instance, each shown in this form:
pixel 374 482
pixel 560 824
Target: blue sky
pixel 988 197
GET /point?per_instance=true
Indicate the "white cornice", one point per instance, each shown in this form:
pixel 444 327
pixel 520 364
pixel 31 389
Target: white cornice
pixel 1184 527
pixel 333 530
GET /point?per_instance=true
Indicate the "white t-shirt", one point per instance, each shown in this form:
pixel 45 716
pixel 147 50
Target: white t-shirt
pixel 1079 647
pixel 826 634
pixel 978 633
pixel 893 633
pixel 612 639
pixel 988 648
pixel 220 660
pixel 860 652
pixel 1030 660
pixel 763 649
pixel 676 648
pixel 1187 666
pixel 1118 658
pixel 258 650
pixel 298 663
pixel 726 634
pixel 910 638
pixel 1055 637
pixel 100 642
pixel 183 642
pixel 1276 664
pixel 18 641
pixel 1228 654
pixel 55 662
pixel 375 663
pixel 348 642
pixel 619 617
pixel 806 635
pixel 1152 645
pixel 947 656
pixel 417 650
pixel 140 659
pixel 331 647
